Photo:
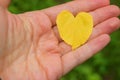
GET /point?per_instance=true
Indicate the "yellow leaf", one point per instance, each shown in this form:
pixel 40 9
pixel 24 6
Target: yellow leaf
pixel 75 31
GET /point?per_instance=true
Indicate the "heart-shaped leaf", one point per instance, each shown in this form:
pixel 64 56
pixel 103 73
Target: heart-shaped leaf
pixel 75 31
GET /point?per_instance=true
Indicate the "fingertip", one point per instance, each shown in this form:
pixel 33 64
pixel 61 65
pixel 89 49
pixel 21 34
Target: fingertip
pixel 114 23
pixel 115 8
pixel 105 37
pixel 98 43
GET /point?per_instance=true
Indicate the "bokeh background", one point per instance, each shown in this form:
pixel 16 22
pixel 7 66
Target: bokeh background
pixel 103 66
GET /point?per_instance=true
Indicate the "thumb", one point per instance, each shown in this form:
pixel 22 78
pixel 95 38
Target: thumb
pixel 4 3
pixel 3 28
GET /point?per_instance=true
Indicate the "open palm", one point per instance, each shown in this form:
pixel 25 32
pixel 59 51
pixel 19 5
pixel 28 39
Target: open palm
pixel 30 46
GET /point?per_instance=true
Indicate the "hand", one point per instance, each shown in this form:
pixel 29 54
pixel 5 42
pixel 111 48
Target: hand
pixel 30 46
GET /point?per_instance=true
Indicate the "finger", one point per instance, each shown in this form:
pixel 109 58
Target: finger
pixel 74 7
pixel 83 53
pixel 3 30
pixel 4 3
pixel 106 27
pixel 105 13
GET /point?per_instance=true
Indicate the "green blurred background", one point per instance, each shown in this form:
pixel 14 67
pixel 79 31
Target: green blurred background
pixel 103 66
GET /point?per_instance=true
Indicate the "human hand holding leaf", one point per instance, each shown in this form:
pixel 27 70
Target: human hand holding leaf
pixel 30 47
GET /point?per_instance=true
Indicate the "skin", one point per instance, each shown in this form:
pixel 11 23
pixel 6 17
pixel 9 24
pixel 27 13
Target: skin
pixel 30 46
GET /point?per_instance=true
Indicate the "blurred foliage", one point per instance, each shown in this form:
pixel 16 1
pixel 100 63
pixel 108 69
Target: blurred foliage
pixel 103 66
pixel 20 6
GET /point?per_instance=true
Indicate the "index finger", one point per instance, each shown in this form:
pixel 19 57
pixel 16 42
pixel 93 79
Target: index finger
pixel 74 7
